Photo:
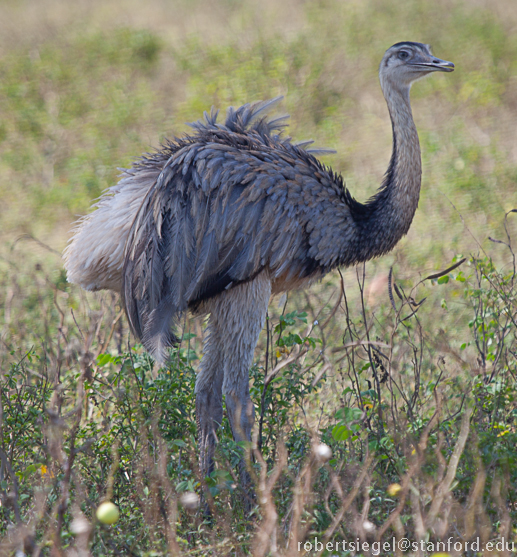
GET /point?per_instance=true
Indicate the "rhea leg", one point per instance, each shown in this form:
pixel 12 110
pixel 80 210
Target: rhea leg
pixel 236 319
pixel 241 415
pixel 240 317
pixel 209 398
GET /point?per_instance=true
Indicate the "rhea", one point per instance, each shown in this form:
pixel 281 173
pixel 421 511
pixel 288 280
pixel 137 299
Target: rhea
pixel 220 219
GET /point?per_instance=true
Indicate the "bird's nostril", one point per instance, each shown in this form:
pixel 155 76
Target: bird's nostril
pixel 435 61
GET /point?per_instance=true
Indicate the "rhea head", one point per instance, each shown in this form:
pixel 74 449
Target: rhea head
pixel 406 62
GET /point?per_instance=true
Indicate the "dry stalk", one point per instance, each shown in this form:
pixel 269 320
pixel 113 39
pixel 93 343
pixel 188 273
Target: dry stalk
pixel 266 535
pixel 444 488
pixel 349 499
pixel 406 481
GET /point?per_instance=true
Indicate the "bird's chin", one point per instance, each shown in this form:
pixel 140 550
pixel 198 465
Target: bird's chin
pixel 423 71
pixel 419 75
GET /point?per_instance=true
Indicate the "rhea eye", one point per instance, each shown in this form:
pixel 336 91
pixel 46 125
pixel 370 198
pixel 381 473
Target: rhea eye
pixel 403 54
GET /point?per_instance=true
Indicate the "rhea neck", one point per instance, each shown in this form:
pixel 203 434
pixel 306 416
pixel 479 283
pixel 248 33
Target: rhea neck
pixel 387 216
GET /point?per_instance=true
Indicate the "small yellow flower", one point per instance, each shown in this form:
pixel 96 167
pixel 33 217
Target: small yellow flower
pixel 281 350
pixel 394 489
pixel 44 471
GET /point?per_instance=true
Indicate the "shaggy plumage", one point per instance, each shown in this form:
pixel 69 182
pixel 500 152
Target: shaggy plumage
pixel 205 213
pixel 217 220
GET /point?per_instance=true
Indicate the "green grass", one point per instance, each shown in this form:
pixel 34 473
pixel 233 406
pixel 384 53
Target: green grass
pixel 84 415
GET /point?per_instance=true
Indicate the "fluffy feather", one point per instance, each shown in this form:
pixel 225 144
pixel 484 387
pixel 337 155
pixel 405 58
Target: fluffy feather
pixel 211 210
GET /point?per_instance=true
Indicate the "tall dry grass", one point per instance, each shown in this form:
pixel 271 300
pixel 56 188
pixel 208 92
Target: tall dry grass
pixel 416 399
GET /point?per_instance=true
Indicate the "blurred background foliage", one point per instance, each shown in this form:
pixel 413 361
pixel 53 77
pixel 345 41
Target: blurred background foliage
pixel 85 88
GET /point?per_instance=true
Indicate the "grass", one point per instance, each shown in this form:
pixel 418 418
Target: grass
pixel 427 404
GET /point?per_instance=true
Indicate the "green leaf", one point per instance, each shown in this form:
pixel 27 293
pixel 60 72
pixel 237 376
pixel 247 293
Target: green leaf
pixel 341 433
pixel 443 280
pixel 348 415
pixel 30 469
pixel 368 393
pixel 182 486
pixel 104 359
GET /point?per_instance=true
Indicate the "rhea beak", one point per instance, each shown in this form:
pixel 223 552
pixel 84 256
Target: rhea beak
pixel 437 65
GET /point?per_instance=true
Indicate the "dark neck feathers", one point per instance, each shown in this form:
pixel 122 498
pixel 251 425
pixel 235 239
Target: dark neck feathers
pixel 387 216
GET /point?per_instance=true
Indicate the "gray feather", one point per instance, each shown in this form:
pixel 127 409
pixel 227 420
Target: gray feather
pixel 230 200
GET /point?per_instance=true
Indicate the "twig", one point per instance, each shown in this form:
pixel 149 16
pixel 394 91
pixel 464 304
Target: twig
pixel 115 321
pixel 39 242
pixel 13 498
pixel 390 293
pixel 445 272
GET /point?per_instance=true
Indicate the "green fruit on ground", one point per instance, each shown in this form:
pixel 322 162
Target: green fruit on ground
pixel 107 513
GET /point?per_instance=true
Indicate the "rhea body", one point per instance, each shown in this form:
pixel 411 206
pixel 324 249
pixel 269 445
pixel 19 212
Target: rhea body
pixel 218 220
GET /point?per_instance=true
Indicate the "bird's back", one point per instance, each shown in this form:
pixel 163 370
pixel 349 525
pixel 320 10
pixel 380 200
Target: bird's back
pixel 208 211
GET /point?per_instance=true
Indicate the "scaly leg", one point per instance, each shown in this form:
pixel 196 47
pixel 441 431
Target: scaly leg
pixel 239 316
pixel 209 399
